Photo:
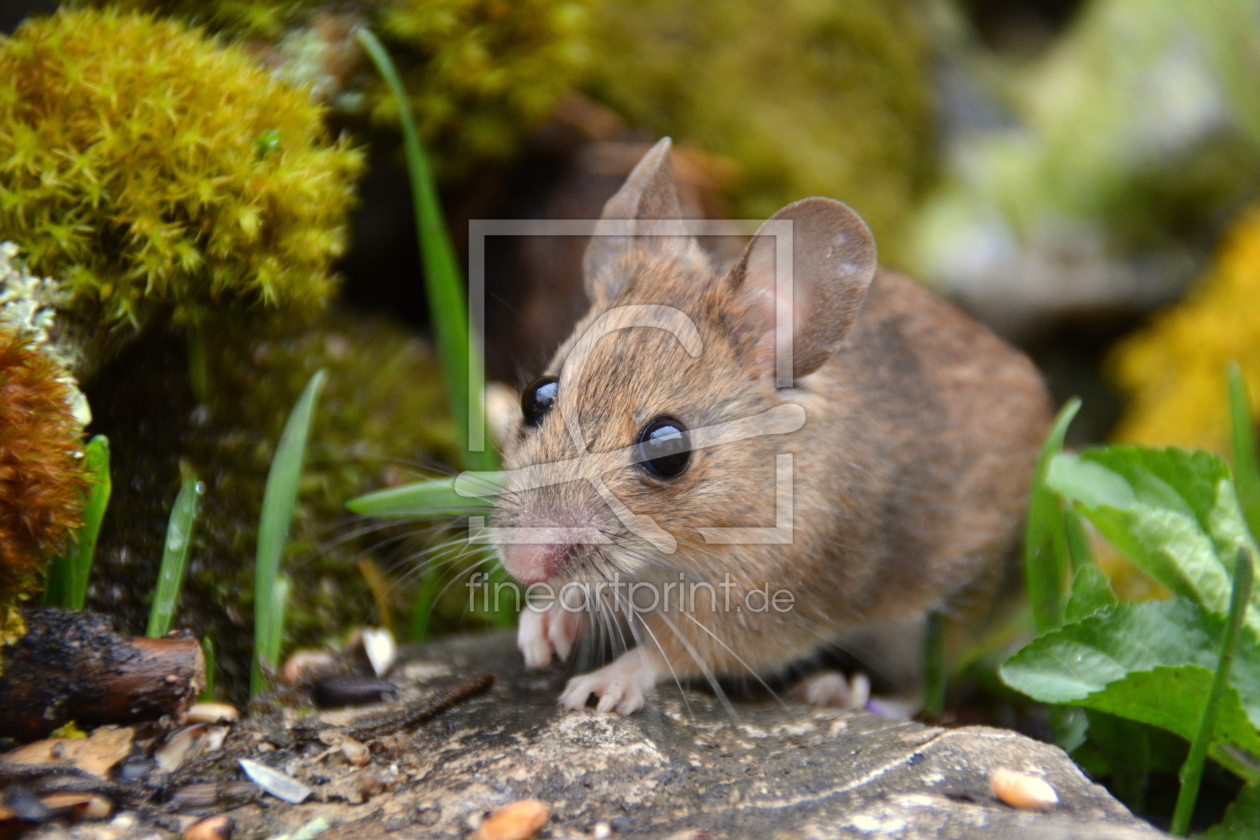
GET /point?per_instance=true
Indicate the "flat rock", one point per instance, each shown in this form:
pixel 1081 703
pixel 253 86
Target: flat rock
pixel 684 768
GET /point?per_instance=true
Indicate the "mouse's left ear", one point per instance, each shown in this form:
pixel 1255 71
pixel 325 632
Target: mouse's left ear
pixel 822 283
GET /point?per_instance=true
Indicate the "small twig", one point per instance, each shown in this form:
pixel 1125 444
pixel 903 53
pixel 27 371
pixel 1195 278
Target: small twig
pixel 66 778
pixel 374 726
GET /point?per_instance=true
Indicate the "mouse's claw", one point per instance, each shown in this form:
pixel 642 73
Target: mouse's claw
pixel 621 686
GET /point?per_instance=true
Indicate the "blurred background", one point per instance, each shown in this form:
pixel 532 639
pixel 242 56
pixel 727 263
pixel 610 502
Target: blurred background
pixel 1080 174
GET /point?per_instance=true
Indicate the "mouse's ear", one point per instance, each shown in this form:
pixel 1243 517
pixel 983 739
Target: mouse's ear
pixel 823 284
pixel 648 195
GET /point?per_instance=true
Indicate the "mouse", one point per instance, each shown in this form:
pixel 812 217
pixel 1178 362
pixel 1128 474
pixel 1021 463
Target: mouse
pixel 725 468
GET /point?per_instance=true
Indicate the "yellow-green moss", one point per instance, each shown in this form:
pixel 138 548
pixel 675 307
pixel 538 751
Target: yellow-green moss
pixel 1173 370
pixel 155 170
pixel 480 73
pixel 809 97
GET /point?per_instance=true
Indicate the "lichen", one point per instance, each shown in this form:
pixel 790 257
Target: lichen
pixel 131 169
pixel 41 481
pixel 807 97
pixel 1172 371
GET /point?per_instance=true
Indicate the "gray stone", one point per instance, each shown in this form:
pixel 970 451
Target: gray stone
pixel 683 767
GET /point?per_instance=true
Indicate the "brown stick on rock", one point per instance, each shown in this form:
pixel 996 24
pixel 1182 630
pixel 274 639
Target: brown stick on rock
pixel 72 666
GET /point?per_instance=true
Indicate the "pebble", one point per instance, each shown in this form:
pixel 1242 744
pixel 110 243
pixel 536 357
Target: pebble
pixel 218 827
pixel 1020 790
pixel 518 821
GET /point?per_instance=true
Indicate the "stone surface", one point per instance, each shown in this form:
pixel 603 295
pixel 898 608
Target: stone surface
pixel 680 768
pixel 683 768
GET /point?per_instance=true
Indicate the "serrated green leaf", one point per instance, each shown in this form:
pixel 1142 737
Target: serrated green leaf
pixel 1091 593
pixel 1241 820
pixel 1173 512
pixel 1150 661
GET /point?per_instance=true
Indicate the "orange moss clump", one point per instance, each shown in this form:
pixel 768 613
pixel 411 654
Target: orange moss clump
pixel 41 481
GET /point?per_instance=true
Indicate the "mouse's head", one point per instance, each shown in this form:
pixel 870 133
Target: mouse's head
pixel 624 446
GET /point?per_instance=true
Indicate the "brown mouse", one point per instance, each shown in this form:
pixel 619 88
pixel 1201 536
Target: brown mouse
pixel 680 487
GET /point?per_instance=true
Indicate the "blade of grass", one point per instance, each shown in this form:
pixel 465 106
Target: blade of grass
pixel 277 608
pixel 1246 470
pixel 279 498
pixel 1045 541
pixel 179 531
pixel 69 573
pixel 443 280
pixel 1191 774
pixel 1078 548
pixel 435 499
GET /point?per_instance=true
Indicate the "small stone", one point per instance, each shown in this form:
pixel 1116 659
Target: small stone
pixel 218 827
pixel 212 713
pixel 518 821
pixel 1020 790
pixel 428 814
pixel 601 831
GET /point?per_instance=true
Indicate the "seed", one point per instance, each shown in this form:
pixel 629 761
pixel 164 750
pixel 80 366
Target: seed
pixel 218 827
pixel 1019 790
pixel 518 821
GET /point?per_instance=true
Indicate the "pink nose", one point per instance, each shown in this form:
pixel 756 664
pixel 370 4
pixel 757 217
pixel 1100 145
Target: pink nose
pixel 531 564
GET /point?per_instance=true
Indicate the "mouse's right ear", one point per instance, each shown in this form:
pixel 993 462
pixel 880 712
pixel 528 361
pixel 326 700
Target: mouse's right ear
pixel 648 195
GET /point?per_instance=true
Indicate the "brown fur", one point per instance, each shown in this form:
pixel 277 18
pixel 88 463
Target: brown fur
pixel 911 471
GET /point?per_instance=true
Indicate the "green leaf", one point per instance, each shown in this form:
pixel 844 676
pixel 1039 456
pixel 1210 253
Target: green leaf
pixel 437 498
pixel 1172 512
pixel 69 574
pixel 1091 593
pixel 1241 819
pixel 1045 540
pixel 1246 470
pixel 179 531
pixel 1151 662
pixel 279 499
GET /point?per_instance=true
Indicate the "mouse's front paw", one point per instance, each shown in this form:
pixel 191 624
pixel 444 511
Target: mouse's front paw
pixel 621 685
pixel 544 632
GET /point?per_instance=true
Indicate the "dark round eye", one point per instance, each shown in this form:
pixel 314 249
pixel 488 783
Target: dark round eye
pixel 664 448
pixel 538 399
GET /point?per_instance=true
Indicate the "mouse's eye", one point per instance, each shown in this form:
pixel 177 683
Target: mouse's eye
pixel 538 399
pixel 664 448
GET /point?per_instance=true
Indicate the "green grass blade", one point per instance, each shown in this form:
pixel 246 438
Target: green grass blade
pixel 438 498
pixel 179 532
pixel 275 615
pixel 1191 774
pixel 443 280
pixel 1078 548
pixel 1045 541
pixel 1246 470
pixel 279 498
pixel 68 574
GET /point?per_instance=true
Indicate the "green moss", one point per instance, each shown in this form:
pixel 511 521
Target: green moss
pixel 380 420
pixel 480 73
pixel 131 168
pixel 809 97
